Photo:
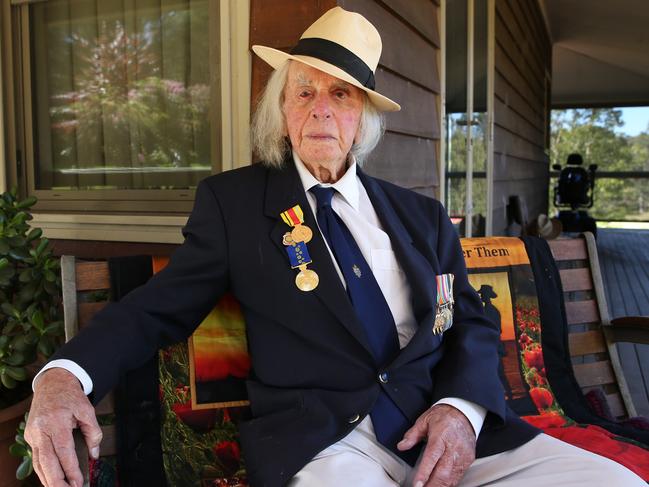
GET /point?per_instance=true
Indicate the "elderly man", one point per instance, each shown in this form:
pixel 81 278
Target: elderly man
pixel 359 378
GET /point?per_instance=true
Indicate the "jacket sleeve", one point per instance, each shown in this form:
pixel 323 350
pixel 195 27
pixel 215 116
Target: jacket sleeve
pixel 469 367
pixel 166 310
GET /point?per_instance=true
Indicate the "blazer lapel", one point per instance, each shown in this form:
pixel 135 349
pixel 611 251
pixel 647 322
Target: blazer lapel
pixel 283 191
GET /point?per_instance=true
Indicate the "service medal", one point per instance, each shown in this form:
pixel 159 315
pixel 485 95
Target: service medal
pixel 301 233
pixel 444 315
pixel 287 239
pixel 306 279
pixel 443 320
pixel 295 242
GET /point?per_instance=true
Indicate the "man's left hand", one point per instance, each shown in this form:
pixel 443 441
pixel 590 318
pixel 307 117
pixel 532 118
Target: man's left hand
pixel 450 446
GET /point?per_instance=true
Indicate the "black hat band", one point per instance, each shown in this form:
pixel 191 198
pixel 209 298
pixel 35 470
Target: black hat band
pixel 337 55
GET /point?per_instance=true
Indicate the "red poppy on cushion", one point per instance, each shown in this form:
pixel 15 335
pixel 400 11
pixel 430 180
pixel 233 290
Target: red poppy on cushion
pixel 534 358
pixel 542 397
pixel 549 420
pixel 197 419
pixel 229 454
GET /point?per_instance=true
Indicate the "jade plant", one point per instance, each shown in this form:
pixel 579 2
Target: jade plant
pixel 31 326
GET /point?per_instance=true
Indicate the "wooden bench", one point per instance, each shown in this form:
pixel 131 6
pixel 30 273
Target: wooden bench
pixel 592 335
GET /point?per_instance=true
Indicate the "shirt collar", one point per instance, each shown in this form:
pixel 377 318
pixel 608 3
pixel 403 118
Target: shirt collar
pixel 347 186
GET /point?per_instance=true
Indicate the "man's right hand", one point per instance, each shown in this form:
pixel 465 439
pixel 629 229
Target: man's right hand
pixel 59 406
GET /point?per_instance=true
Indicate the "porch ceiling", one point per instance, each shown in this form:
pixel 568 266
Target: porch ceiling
pixel 600 54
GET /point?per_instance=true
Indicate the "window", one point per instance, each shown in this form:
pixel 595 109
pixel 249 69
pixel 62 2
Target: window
pixel 121 102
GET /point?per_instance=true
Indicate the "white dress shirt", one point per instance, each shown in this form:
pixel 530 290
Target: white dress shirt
pixel 353 206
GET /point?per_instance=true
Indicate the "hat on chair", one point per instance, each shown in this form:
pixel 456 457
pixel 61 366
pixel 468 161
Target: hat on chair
pixel 340 43
pixel 545 227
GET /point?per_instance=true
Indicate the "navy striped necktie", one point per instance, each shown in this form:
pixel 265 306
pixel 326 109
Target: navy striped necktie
pixel 372 310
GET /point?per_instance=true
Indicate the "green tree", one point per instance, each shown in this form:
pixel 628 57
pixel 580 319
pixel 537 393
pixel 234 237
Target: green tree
pixel 591 132
pixel 457 163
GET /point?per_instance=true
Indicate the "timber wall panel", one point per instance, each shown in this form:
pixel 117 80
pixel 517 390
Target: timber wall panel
pixel 418 14
pixel 414 154
pixel 522 57
pixel 409 74
pixel 418 115
pixel 506 143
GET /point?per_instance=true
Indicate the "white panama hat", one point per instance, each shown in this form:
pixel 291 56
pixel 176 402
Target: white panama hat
pixel 340 43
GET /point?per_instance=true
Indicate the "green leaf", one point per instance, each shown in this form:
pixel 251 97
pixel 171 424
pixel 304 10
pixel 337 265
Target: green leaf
pixel 18 450
pixel 8 309
pixel 25 469
pixel 37 320
pixel 53 328
pixel 19 343
pixel 4 262
pixel 28 292
pixel 17 241
pixel 4 246
pixel 45 346
pixel 18 373
pixel 7 273
pixel 19 437
pixel 17 358
pixel 42 245
pixel 7 381
pixel 51 288
pixel 19 253
pixel 34 234
pixel 26 275
pixel 50 276
pixel 27 202
pixel 32 337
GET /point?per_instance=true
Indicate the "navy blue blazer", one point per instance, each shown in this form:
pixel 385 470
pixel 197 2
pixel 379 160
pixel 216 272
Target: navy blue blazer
pixel 312 370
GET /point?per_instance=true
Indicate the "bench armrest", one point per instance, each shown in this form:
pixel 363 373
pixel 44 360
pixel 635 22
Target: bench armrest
pixel 632 329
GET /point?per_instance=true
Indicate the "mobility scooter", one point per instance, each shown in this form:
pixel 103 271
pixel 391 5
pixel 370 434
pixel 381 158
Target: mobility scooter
pixel 575 190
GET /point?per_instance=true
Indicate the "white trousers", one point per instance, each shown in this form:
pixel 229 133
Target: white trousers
pixel 542 462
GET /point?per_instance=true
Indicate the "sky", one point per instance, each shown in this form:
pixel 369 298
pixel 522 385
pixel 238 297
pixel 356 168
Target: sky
pixel 635 120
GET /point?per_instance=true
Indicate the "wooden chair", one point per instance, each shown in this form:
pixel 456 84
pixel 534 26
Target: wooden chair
pixel 592 335
pixel 86 290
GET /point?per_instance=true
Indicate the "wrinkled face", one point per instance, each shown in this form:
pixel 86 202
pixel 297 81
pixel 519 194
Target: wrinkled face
pixel 322 116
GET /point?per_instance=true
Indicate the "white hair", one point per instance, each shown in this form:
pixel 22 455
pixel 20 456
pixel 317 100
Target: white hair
pixel 270 136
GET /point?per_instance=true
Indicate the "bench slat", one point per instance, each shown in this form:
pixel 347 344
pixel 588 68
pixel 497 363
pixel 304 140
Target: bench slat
pixel 582 312
pixel 584 343
pixel 576 279
pixel 568 249
pixel 92 275
pixel 594 374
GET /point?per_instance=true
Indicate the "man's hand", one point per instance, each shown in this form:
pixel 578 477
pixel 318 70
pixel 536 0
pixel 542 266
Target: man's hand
pixel 450 446
pixel 59 406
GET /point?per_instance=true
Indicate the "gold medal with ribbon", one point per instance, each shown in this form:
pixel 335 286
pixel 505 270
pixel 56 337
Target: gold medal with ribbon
pixel 296 249
pixel 294 217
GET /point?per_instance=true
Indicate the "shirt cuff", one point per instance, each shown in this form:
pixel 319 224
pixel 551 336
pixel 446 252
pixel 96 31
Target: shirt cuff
pixel 473 412
pixel 73 368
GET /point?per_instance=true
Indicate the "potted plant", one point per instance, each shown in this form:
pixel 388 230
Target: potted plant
pixel 31 325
